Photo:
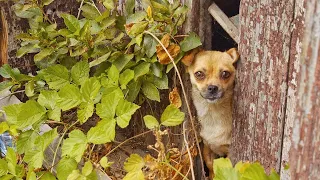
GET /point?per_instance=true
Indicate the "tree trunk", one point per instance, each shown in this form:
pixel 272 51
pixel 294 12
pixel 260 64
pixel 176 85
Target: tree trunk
pixel 305 152
pixel 264 100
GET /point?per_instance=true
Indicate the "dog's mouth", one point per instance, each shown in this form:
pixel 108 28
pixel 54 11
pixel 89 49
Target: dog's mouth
pixel 212 98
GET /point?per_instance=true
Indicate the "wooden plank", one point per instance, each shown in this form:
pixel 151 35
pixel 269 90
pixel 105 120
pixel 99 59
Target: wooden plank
pixel 3 39
pixel 305 152
pixel 224 21
pixel 268 50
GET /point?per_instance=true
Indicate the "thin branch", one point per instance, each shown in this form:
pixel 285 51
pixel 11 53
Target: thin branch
pixel 80 9
pixel 112 150
pixel 185 99
pixel 188 149
pixel 17 92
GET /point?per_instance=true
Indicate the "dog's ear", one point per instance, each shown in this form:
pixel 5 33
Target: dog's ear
pixel 189 57
pixel 234 54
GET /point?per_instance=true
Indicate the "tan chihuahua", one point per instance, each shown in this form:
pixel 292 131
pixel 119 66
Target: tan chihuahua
pixel 212 75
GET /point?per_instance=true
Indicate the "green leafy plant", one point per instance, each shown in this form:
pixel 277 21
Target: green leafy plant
pixel 100 66
pixel 223 169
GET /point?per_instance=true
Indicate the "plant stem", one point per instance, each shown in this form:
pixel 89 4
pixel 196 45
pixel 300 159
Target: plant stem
pixel 58 145
pixel 186 101
pixel 176 170
pixel 80 9
pixel 11 94
pixel 127 141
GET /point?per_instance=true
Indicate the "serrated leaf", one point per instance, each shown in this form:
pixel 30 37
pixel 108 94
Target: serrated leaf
pixel 126 77
pixel 151 122
pixel 43 141
pixel 100 60
pixel 149 44
pixel 54 114
pixel 80 72
pixel 90 89
pixel 76 175
pixel 113 75
pixel 171 116
pixel 69 97
pixel 57 76
pixel 71 22
pixel 141 70
pixel 104 162
pixel 11 158
pixel 31 175
pixel 150 91
pixel 48 98
pixel 190 42
pixel 75 145
pixel 43 54
pixel 103 132
pixel 89 12
pixel 85 111
pixel 87 168
pixel 221 163
pixel 124 111
pixel 254 172
pixel 134 163
pixel 3 167
pixel 4 127
pixel 107 108
pixel 29 88
pixel 161 83
pixel 65 166
pixel 34 158
pixel 12 112
pixel 46 176
pixel 26 141
pixel 31 112
pixel 136 175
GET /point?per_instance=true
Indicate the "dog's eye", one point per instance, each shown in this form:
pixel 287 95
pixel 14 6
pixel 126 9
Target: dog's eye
pixel 199 75
pixel 225 74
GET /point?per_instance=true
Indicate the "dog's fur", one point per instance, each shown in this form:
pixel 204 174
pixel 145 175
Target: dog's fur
pixel 212 97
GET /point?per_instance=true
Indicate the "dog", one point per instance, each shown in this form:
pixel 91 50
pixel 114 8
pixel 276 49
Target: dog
pixel 212 75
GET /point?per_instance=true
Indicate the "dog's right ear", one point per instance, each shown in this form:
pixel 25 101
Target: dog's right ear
pixel 189 57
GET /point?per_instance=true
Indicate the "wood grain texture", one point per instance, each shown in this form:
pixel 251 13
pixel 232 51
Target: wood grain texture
pixel 305 152
pixel 268 47
pixel 3 39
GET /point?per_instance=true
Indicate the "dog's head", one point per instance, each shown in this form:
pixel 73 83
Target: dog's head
pixel 212 73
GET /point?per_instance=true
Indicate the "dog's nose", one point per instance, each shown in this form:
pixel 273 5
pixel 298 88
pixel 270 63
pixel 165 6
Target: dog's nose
pixel 212 89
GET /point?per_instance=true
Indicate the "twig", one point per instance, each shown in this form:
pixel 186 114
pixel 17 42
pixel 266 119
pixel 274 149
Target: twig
pixel 91 151
pixel 56 151
pixel 127 141
pixel 169 165
pixel 80 9
pixel 11 94
pixel 188 149
pixel 185 98
pixel 94 5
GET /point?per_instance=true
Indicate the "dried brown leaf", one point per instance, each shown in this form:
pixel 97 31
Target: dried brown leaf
pixel 174 98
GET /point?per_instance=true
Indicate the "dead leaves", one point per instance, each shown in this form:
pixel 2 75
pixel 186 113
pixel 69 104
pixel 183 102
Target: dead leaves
pixel 172 48
pixel 174 98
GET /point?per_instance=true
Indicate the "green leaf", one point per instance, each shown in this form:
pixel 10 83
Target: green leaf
pixel 85 111
pixel 57 76
pixel 34 157
pixel 4 127
pixel 103 132
pixel 54 114
pixel 134 163
pixel 46 176
pixel 126 77
pixel 137 28
pixel 87 168
pixel 129 6
pixel 150 91
pixel 107 108
pixel 12 112
pixel 221 163
pixel 29 88
pixel 141 70
pixel 89 12
pixel 122 61
pixel 29 48
pixel 151 122
pixel 273 175
pixel 43 54
pixel 43 141
pixel 48 98
pixel 47 2
pixel 6 85
pixel 124 111
pixel 190 42
pixel 161 83
pixel 109 4
pixel 136 175
pixel 104 162
pixel 75 175
pixel 90 89
pixel 136 17
pixel 69 97
pixel 134 89
pixel 71 22
pixel 100 60
pixel 75 145
pixel 31 112
pixel 3 167
pixel 80 72
pixel 11 158
pixel 26 141
pixel 172 116
pixel 31 175
pixel 65 166
pixel 113 74
pixel 149 44
pixel 254 172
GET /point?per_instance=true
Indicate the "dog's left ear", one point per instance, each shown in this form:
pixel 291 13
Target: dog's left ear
pixel 233 52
